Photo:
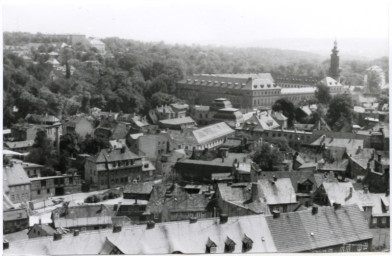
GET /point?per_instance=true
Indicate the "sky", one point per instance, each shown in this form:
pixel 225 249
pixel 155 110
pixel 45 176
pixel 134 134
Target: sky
pixel 216 22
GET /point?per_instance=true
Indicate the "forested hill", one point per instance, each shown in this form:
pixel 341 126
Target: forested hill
pixel 134 76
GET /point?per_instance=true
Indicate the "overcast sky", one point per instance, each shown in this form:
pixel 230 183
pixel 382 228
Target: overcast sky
pixel 201 22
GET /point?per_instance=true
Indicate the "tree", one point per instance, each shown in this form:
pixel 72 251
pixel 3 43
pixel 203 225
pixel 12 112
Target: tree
pixel 41 153
pixel 340 108
pixel 373 81
pixel 322 94
pixel 268 157
pixel 287 108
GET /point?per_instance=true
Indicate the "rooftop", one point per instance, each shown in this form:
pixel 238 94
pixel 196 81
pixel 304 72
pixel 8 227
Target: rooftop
pixel 212 132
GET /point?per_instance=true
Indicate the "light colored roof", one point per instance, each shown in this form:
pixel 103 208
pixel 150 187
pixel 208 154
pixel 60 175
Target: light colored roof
pixel 303 231
pixel 19 144
pixel 380 204
pixel 260 122
pixel 339 192
pixel 211 132
pixel 7 152
pixel 53 62
pixel 96 41
pixel 15 214
pixel 298 90
pixel 135 136
pixel 15 175
pixel 177 121
pixel 329 81
pixel 107 155
pixel 6 131
pixel 164 238
pixel 359 109
pixel 84 215
pixel 279 192
pixel 339 142
pixel 117 143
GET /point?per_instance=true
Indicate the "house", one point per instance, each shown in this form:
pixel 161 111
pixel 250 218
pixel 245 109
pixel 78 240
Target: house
pixel 80 125
pixel 15 220
pixel 98 44
pixel 115 167
pixel 7 135
pixel 259 122
pixel 181 205
pixel 44 187
pixel 321 229
pixel 240 199
pixel 41 230
pixel 280 118
pixel 151 146
pixel 180 109
pixel 380 216
pixel 231 116
pixel 16 183
pixel 201 114
pixel 219 235
pixel 28 131
pixel 303 182
pixel 191 170
pixel 112 130
pixel 207 137
pixel 177 123
pixel 139 191
pixel 82 217
pixel 161 113
pixel 32 170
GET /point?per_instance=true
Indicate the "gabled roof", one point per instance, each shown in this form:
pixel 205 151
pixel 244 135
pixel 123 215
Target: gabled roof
pixel 164 238
pixel 110 155
pixel 303 231
pixel 19 144
pixel 345 194
pixel 140 188
pixel 329 81
pixel 177 121
pixel 212 132
pixel 380 204
pixel 296 177
pixel 280 191
pixel 338 142
pixel 260 122
pixel 15 175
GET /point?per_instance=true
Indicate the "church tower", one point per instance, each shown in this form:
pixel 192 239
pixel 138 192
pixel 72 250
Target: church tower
pixel 334 70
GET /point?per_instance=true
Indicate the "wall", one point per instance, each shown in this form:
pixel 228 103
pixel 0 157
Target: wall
pixel 19 193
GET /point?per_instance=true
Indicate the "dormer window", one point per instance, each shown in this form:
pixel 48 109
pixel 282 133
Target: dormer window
pixel 255 86
pixel 262 86
pixel 247 243
pixel 210 246
pixel 229 245
pixel 268 85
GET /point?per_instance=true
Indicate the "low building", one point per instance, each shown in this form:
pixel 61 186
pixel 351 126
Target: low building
pixel 41 230
pixel 84 217
pixel 210 136
pixel 177 123
pixel 80 125
pixel 321 229
pixel 15 220
pixel 16 183
pixel 45 187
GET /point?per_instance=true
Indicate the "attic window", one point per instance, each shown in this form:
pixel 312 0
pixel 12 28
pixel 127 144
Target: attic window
pixel 268 85
pixel 247 243
pixel 255 86
pixel 262 86
pixel 210 246
pixel 229 245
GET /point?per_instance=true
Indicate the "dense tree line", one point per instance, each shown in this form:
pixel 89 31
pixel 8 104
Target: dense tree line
pixel 136 76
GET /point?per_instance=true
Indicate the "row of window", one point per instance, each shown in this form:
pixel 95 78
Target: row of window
pixel 39 191
pixel 289 136
pixel 19 188
pixel 123 163
pixel 20 197
pixel 274 92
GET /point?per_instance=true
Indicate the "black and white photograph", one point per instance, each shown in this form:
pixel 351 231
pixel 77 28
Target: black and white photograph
pixel 194 127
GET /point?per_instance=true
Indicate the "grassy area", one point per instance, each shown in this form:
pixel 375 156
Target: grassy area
pixel 381 238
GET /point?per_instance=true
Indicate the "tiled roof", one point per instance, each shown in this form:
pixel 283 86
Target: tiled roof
pixel 280 191
pixel 339 192
pixel 295 176
pixel 15 214
pixel 85 215
pixel 114 155
pixel 140 188
pixel 260 122
pixel 380 204
pixel 179 106
pixel 303 231
pixel 15 175
pixel 212 132
pixel 177 121
pixel 339 142
pixel 164 238
pixel 279 116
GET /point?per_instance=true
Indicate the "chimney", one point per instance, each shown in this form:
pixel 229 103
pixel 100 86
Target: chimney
pixel 223 218
pixel 76 232
pixel 365 189
pixel 40 221
pixel 57 236
pixel 244 159
pixel 223 159
pixel 123 150
pixel 150 224
pixel 276 214
pixel 387 193
pixel 349 195
pixel 314 210
pixel 274 178
pixel 358 150
pixel 6 244
pixel 116 229
pixel 336 206
pixel 193 220
pixel 254 192
pixel 379 158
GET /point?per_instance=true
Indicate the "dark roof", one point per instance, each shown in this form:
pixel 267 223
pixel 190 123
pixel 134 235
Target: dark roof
pixel 114 155
pixel 303 231
pixel 182 201
pixel 295 176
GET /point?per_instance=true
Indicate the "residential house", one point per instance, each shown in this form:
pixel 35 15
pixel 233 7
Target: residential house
pixel 219 235
pixel 98 44
pixel 240 199
pixel 16 183
pixel 180 109
pixel 151 146
pixel 82 217
pixel 15 220
pixel 190 170
pixel 111 130
pixel 177 123
pixel 280 118
pixel 210 136
pixel 115 167
pixel 45 187
pixel 231 116
pixel 161 113
pixel 321 229
pixel 32 170
pixel 201 114
pixel 380 217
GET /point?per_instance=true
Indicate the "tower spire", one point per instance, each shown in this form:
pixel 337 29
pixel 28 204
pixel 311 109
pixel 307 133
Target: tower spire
pixel 334 70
